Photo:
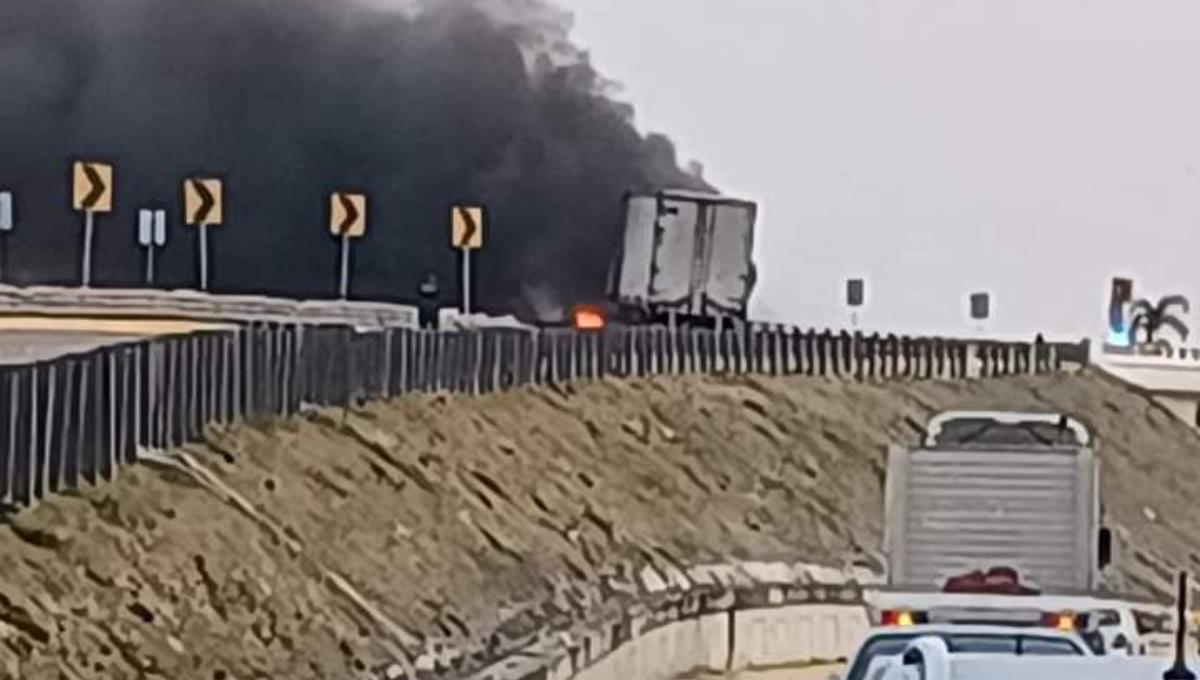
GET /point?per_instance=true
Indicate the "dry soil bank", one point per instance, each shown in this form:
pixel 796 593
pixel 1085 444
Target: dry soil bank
pixel 379 529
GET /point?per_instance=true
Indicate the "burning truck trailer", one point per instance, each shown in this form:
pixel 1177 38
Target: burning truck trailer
pixel 685 260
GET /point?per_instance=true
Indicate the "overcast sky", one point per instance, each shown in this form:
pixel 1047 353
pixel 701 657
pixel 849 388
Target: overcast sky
pixel 1030 148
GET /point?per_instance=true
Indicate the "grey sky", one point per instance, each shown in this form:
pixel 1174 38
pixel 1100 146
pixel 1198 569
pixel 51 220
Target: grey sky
pixel 1032 148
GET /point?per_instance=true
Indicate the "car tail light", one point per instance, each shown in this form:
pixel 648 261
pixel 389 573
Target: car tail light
pixel 900 617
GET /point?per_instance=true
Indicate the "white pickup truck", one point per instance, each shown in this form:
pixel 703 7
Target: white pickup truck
pixel 889 642
pixel 930 658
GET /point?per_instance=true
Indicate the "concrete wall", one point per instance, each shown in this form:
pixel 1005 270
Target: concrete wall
pixel 769 635
pixel 797 633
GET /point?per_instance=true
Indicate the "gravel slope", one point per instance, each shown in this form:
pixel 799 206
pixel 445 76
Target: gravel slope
pixel 373 531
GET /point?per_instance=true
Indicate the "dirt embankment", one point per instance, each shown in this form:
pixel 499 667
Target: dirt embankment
pixel 326 546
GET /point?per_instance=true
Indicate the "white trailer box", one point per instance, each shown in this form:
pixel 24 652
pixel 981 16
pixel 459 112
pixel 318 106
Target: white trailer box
pixel 686 253
pixel 990 489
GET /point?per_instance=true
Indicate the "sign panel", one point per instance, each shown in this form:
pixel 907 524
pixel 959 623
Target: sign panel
pixel 466 227
pixel 145 227
pixel 6 211
pixel 202 202
pixel 92 187
pixel 980 306
pixel 348 215
pixel 1122 291
pixel 160 228
pixel 855 292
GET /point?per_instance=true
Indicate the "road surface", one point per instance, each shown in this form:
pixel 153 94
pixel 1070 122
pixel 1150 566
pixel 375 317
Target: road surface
pixel 823 672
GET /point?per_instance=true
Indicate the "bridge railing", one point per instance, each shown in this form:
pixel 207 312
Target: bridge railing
pixel 78 418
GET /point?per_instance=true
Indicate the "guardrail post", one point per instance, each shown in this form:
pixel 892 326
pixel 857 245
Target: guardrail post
pixel 404 362
pixel 8 431
pixel 808 342
pixel 595 342
pixel 41 403
pixel 873 358
pixel 24 442
pixel 695 345
pixel 68 421
pixel 128 407
pixel 925 349
pixel 711 351
pixel 857 359
pixel 47 404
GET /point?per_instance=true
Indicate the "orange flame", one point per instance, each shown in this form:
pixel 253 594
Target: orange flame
pixel 588 319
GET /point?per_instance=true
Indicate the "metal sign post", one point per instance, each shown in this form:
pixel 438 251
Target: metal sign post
pixel 160 237
pixel 1179 669
pixel 466 282
pixel 344 285
pixel 203 207
pixel 86 265
pixel 92 193
pixel 152 234
pixel 347 220
pixel 6 225
pixel 466 234
pixel 203 235
pixel 146 240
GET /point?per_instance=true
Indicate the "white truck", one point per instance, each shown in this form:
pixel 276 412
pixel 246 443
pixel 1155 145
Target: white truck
pixel 995 518
pixel 686 257
pixel 929 658
pixel 996 489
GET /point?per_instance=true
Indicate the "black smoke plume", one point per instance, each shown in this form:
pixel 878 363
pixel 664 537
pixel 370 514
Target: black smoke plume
pixel 421 106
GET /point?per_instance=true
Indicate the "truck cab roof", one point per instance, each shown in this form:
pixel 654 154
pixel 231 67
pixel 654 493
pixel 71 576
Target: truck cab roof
pixel 1004 428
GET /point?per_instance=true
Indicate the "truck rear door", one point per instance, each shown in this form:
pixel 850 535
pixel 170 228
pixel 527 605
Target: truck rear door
pixel 953 511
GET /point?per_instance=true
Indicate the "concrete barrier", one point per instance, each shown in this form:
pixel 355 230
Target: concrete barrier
pixel 744 616
pixel 722 626
pixel 761 637
pixel 796 633
pixel 196 305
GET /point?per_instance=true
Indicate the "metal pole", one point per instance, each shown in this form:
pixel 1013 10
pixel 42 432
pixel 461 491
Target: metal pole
pixel 150 264
pixel 203 257
pixel 1179 670
pixel 87 248
pixel 345 280
pixel 466 285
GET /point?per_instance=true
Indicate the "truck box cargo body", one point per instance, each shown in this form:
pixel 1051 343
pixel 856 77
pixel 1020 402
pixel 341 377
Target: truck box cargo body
pixel 686 254
pixel 994 489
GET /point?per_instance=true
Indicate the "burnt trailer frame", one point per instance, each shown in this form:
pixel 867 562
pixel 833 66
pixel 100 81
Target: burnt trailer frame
pixel 695 307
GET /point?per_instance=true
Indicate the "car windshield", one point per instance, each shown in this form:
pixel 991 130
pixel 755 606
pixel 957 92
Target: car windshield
pixel 964 643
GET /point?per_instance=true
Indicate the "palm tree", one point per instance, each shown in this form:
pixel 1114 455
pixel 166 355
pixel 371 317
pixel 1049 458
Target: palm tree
pixel 1154 317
